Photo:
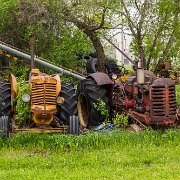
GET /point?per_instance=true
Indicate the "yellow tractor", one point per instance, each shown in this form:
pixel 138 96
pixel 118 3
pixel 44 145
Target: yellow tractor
pixel 52 103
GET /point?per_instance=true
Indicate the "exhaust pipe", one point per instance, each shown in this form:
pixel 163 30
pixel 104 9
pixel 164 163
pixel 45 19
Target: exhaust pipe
pixel 31 42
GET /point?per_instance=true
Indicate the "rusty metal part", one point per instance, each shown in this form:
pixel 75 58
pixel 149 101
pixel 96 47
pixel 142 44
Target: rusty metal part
pixel 149 76
pixel 44 92
pixel 163 100
pixel 14 87
pixel 31 42
pixel 42 119
pixel 133 127
pixel 62 129
pixel 101 78
pixel 118 96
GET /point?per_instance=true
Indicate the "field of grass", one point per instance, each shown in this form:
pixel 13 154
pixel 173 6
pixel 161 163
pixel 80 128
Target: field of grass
pixel 111 155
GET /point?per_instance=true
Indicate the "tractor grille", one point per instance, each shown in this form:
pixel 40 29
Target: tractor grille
pixel 43 94
pixel 163 101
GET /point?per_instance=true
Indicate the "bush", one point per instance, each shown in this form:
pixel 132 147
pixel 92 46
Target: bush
pixel 22 108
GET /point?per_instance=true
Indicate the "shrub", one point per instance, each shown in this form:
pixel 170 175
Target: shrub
pixel 22 108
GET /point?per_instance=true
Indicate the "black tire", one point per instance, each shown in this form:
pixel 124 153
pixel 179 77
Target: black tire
pixel 5 98
pixel 69 107
pixel 91 66
pixel 74 125
pixel 112 67
pixel 88 94
pixel 5 126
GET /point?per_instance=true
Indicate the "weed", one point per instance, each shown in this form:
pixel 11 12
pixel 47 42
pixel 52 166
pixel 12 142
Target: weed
pixel 100 106
pixel 22 108
pixel 121 120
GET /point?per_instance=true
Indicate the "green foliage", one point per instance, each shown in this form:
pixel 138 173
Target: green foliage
pixel 59 43
pixel 121 120
pixel 18 69
pixel 100 106
pixel 22 108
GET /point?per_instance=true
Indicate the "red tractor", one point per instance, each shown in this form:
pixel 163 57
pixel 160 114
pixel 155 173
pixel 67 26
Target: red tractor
pixel 146 99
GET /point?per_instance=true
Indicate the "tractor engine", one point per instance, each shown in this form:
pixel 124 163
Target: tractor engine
pixel 153 101
pixel 44 92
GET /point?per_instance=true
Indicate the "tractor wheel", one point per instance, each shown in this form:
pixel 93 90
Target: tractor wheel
pixel 112 67
pixel 5 98
pixel 91 66
pixel 74 125
pixel 5 126
pixel 88 94
pixel 69 107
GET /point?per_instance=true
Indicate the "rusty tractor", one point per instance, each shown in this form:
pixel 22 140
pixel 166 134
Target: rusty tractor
pixel 146 99
pixel 52 105
pixel 164 69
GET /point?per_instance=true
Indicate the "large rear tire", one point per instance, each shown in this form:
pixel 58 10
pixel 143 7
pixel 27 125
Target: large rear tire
pixel 5 98
pixel 69 107
pixel 5 108
pixel 88 94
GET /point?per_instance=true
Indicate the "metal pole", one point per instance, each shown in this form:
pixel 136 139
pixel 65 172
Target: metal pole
pixel 31 42
pixel 119 50
pixel 43 63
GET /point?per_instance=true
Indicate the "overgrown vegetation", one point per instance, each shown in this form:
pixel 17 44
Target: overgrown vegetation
pixel 100 106
pixel 121 120
pixel 22 108
pixel 93 140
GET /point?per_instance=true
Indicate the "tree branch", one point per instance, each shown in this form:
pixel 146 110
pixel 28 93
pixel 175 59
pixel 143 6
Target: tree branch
pixel 137 6
pixel 102 21
pixel 130 22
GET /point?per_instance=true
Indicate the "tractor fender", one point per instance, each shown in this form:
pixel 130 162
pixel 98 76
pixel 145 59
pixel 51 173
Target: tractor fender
pixel 14 86
pixel 58 85
pixel 101 78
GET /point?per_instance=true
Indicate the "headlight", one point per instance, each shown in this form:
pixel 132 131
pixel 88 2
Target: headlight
pixel 114 76
pixel 26 98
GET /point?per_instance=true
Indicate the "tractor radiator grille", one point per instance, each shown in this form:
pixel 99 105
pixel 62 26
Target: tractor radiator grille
pixel 43 94
pixel 163 101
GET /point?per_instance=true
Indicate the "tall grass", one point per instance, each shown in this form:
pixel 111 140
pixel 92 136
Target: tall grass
pixel 91 140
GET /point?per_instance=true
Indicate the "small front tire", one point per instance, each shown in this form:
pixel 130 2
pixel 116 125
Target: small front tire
pixel 74 125
pixel 5 124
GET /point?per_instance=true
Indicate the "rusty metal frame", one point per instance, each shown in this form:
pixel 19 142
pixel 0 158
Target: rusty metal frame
pixel 63 129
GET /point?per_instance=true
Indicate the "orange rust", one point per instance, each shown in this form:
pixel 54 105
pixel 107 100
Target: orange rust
pixel 62 129
pixel 14 87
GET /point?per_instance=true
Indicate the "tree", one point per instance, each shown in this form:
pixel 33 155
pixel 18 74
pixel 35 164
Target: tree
pixel 90 17
pixel 59 43
pixel 153 25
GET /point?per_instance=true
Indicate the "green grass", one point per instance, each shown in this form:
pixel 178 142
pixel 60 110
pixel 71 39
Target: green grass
pixel 178 95
pixel 112 155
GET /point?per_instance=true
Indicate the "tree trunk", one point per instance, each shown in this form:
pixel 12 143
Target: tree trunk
pixel 99 49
